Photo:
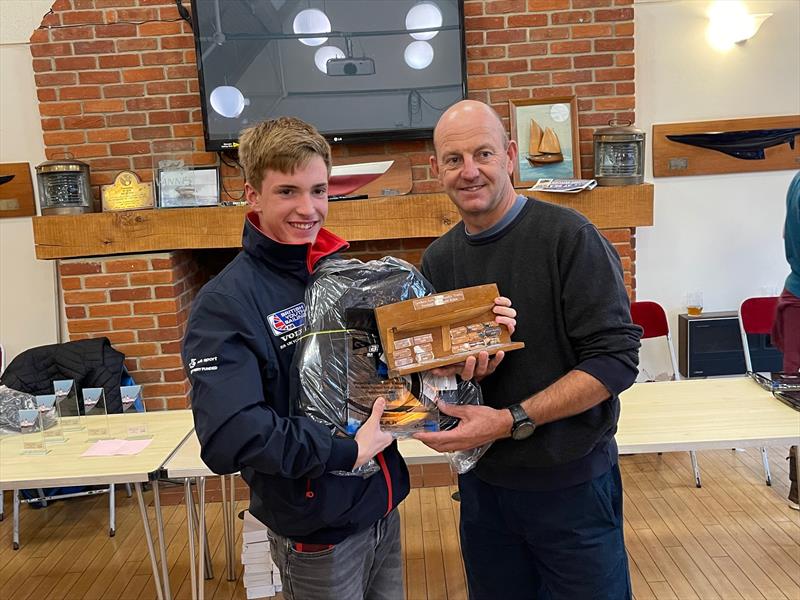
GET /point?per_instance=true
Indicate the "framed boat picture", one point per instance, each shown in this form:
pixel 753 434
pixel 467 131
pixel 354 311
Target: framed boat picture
pixel 546 132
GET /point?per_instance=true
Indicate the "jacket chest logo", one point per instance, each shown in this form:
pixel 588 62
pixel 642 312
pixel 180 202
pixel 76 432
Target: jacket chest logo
pixel 287 319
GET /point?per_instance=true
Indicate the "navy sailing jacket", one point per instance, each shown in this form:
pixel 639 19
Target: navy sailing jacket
pixel 238 350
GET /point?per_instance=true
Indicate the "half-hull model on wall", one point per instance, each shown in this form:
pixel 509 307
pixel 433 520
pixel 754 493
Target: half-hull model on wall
pixel 746 145
pixel 730 146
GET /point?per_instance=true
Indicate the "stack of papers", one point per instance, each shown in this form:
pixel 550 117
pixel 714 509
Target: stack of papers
pixel 261 577
pixel 564 186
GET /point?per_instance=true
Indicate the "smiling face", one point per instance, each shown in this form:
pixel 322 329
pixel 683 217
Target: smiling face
pixel 292 207
pixel 474 161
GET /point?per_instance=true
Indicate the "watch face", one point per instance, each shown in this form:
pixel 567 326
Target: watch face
pixel 523 430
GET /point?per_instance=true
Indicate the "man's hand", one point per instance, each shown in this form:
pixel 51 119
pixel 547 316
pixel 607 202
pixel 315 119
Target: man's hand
pixel 479 425
pixel 480 365
pixel 370 438
pixel 505 314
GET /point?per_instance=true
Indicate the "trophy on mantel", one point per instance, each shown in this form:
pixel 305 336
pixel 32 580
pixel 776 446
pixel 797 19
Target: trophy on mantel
pixel 127 193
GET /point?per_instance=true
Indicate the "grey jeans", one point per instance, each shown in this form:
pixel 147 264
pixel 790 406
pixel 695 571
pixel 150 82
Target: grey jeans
pixel 366 566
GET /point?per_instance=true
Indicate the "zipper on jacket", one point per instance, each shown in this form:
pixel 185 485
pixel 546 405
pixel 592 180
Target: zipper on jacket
pixel 387 477
pixel 309 492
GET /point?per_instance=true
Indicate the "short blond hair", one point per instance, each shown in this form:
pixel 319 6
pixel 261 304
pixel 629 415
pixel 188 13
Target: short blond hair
pixel 281 144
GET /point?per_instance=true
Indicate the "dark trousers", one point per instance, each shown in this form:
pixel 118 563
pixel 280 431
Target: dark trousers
pixel 556 545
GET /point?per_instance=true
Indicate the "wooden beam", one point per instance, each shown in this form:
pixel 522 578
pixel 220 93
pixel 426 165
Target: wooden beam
pixel 390 217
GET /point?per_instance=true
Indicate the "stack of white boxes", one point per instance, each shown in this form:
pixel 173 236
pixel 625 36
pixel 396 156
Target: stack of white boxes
pixel 261 576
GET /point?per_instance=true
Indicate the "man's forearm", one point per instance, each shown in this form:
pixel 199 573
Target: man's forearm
pixel 574 393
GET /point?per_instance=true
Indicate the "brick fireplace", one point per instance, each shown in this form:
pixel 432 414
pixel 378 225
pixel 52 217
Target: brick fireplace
pixel 116 80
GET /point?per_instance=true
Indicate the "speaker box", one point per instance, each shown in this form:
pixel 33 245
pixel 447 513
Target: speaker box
pixel 711 344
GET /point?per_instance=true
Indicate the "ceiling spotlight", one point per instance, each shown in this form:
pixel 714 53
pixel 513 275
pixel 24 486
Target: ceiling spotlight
pixel 418 55
pixel 312 20
pixel 227 101
pixel 324 54
pixel 425 15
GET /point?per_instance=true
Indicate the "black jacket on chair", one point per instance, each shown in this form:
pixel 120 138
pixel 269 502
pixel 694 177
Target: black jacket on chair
pixel 91 363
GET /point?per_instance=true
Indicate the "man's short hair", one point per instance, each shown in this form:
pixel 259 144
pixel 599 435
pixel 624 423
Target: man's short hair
pixel 281 144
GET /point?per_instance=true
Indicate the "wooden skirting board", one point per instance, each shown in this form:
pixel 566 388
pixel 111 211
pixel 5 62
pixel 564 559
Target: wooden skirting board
pixel 672 158
pixel 390 217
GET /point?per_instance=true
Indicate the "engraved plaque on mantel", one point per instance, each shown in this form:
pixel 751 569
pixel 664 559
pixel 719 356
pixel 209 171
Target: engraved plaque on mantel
pixel 127 193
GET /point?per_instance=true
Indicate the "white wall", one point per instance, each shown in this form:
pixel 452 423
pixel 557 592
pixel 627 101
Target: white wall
pixel 721 234
pixel 28 304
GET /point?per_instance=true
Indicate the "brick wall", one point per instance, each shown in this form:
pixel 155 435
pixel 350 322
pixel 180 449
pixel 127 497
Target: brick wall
pixel 116 83
pixel 110 91
pixel 141 303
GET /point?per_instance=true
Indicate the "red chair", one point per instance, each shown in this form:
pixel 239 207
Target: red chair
pixel 650 316
pixel 756 316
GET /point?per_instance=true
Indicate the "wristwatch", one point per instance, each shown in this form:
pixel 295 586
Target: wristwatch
pixel 523 426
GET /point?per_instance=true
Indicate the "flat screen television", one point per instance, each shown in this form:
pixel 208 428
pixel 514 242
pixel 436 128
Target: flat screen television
pixel 359 70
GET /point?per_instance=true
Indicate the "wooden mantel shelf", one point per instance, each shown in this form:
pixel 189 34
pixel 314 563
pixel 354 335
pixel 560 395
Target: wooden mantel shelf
pixel 390 217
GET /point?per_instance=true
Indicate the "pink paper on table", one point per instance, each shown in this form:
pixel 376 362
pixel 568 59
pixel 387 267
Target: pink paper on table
pixel 134 446
pixel 104 448
pixel 117 447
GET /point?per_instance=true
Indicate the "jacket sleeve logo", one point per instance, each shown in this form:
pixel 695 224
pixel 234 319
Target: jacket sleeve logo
pixel 287 319
pixel 207 363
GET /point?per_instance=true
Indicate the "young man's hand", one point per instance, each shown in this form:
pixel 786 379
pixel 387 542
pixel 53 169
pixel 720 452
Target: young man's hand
pixel 370 438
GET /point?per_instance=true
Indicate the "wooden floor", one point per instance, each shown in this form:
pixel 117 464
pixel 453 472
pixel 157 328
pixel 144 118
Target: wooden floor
pixel 734 538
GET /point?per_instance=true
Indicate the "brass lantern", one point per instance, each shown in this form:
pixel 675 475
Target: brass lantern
pixel 619 154
pixel 64 187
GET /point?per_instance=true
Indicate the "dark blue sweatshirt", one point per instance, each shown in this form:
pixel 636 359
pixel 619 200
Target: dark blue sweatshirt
pixel 565 280
pixel 238 350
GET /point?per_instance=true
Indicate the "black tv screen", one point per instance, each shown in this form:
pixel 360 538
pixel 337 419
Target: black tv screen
pixel 359 70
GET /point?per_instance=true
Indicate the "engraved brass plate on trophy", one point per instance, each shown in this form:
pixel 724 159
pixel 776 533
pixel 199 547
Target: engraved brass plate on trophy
pixel 127 193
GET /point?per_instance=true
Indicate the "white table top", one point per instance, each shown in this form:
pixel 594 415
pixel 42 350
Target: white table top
pixel 699 414
pixel 186 461
pixel 64 465
pixel 668 416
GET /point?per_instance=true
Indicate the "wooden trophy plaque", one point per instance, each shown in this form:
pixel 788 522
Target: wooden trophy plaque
pixel 442 329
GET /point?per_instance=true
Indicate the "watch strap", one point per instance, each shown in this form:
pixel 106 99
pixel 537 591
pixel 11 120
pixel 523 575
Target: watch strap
pixel 518 414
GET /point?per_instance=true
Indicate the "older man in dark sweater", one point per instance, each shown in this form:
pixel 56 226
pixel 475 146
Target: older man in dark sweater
pixel 541 514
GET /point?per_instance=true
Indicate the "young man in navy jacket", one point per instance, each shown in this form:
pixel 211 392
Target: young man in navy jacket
pixel 332 536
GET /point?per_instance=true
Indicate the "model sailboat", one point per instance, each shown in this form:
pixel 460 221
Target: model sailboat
pixel 544 147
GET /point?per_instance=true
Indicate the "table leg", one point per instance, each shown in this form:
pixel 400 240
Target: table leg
pixel 112 515
pixel 765 460
pixel 2 504
pixel 226 523
pixel 187 490
pixel 232 529
pixel 206 551
pixel 149 538
pixel 162 547
pixel 15 520
pixel 696 469
pixel 201 500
